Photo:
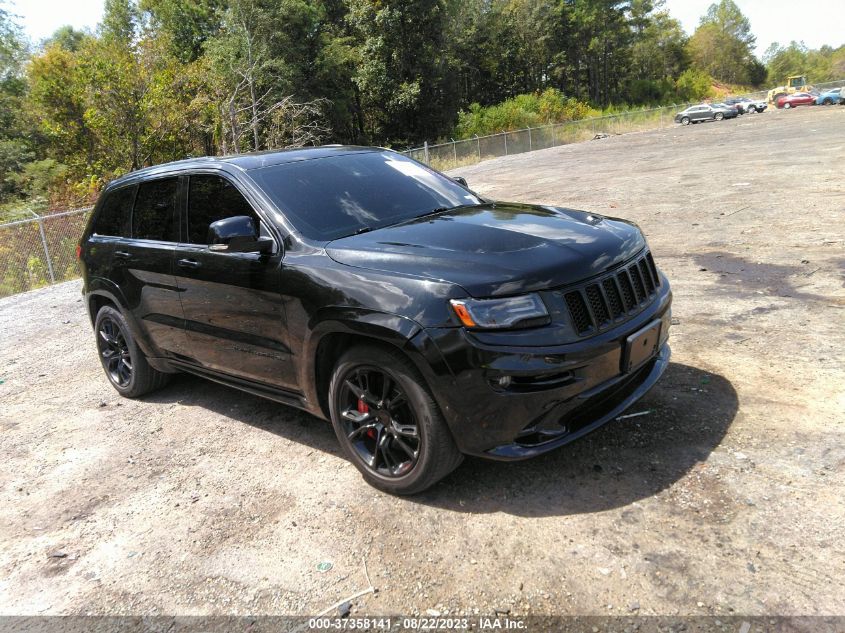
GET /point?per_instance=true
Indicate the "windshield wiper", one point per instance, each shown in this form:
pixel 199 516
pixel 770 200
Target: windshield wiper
pixel 440 210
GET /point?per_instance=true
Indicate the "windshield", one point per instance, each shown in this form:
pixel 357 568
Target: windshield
pixel 329 198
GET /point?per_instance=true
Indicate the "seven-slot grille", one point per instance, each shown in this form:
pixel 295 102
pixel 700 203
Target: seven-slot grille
pixel 605 301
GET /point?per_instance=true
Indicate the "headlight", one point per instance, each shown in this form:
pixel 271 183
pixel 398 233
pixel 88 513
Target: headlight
pixel 512 312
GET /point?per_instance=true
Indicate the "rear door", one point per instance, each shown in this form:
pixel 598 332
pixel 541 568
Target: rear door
pixel 142 264
pixel 234 316
pixel 110 226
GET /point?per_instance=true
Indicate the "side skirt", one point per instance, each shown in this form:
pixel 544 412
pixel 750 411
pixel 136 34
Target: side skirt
pixel 283 396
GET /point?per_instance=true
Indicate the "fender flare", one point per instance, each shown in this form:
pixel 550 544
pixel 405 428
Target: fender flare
pixel 397 331
pixel 99 287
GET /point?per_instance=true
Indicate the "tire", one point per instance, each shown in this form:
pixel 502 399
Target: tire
pixel 685 121
pixel 787 105
pixel 719 116
pixel 393 433
pixel 124 363
pixel 751 110
pixel 827 102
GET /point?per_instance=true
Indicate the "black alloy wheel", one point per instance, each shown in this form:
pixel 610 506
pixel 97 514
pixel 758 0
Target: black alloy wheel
pixel 114 352
pixel 387 421
pixel 379 422
pixel 125 364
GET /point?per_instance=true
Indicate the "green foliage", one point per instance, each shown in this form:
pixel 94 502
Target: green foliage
pixel 824 64
pixel 401 77
pixel 42 176
pixel 723 45
pixel 528 110
pixel 694 85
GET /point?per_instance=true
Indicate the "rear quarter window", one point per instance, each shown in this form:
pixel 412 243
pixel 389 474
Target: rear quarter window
pixel 155 209
pixel 113 217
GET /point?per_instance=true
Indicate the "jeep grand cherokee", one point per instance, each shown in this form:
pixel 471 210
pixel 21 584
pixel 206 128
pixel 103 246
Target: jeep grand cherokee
pixel 423 320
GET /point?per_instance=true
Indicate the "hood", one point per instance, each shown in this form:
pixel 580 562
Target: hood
pixel 496 249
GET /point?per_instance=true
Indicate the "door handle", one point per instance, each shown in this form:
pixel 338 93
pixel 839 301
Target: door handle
pixel 188 263
pixel 122 254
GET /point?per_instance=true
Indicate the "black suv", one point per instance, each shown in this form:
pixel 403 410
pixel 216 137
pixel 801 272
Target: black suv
pixel 424 321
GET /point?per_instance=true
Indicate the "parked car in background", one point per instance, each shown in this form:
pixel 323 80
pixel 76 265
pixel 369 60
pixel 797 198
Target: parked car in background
pixel 830 97
pixel 744 105
pixel 424 321
pixel 798 99
pixel 728 112
pixel 701 112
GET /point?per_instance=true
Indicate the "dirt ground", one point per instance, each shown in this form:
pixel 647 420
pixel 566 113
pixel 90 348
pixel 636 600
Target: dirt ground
pixel 725 498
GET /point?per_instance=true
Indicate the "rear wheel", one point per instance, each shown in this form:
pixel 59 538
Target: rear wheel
pixel 787 105
pixel 387 422
pixel 719 116
pixel 123 361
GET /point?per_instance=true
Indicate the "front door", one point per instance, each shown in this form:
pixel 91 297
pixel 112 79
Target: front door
pixel 234 316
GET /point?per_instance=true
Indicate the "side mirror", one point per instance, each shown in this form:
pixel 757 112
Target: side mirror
pixel 461 181
pixel 237 235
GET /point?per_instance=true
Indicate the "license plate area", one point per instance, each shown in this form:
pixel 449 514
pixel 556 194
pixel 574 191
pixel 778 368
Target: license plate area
pixel 641 346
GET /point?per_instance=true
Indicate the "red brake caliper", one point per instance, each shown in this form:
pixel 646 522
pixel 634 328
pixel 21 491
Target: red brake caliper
pixel 363 408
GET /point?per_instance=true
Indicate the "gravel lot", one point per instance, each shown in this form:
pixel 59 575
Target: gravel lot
pixel 726 498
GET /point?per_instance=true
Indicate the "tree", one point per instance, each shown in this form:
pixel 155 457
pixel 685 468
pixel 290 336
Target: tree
pixel 659 42
pixel 188 24
pixel 57 94
pixel 67 38
pixel 824 64
pixel 402 74
pixel 251 87
pixel 16 140
pixel 723 44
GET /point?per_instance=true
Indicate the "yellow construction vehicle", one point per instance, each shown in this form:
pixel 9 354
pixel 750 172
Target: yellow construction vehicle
pixel 796 83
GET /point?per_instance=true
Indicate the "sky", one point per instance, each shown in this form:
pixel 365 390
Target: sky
pixel 816 22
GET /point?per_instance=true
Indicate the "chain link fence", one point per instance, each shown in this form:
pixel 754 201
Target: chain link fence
pixel 455 154
pixel 41 250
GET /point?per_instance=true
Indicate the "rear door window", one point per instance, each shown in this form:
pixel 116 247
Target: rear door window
pixel 212 198
pixel 153 217
pixel 113 218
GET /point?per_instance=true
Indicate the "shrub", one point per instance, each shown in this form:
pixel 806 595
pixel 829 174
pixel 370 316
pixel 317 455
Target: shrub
pixel 694 85
pixel 527 110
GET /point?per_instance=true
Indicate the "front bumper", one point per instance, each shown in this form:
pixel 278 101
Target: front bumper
pixel 593 409
pixel 557 394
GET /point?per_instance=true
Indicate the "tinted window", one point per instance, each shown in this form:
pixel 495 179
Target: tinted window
pixel 212 198
pixel 155 208
pixel 327 198
pixel 113 217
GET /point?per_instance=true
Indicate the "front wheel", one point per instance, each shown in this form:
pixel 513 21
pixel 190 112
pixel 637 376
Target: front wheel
pixel 751 110
pixel 685 121
pixel 388 423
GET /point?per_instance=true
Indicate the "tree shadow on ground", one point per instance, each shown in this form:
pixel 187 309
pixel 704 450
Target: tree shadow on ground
pixel 621 463
pixel 690 410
